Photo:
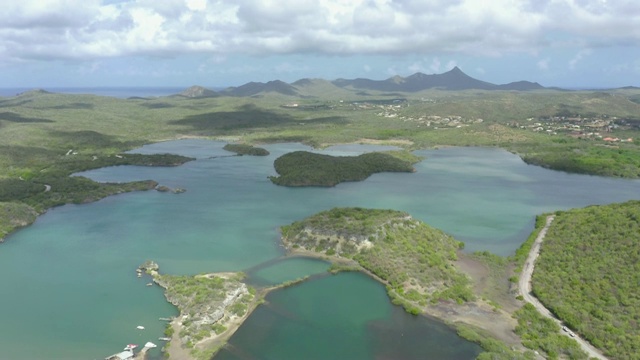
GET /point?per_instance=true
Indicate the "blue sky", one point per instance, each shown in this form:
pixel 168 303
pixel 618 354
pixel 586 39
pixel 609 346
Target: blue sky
pixel 219 43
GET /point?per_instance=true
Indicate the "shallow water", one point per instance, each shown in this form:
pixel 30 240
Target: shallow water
pixel 283 270
pixel 69 284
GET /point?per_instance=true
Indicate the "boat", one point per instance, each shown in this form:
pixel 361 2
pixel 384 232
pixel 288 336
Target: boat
pixel 150 345
pixel 130 347
pixel 140 327
pixel 165 338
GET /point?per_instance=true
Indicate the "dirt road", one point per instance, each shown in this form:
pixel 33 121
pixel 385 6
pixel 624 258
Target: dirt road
pixel 525 290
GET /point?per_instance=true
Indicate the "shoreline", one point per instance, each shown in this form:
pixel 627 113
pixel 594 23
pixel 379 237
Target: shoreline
pixel 478 314
pixel 210 345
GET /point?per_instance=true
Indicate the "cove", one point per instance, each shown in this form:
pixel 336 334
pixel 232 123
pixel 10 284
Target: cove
pixel 344 316
pixel 69 284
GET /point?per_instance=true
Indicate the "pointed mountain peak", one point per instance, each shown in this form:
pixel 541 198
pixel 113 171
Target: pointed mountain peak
pixel 456 70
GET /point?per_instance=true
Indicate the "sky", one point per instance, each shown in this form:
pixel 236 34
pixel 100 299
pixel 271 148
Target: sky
pixel 220 43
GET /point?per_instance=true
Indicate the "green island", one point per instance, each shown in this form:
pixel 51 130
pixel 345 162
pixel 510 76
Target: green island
pixel 304 168
pixel 588 275
pixel 246 149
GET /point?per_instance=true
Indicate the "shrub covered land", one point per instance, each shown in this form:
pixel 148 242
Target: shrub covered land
pixel 207 303
pixel 246 149
pixel 412 258
pixel 14 215
pixel 303 168
pixel 543 334
pixel 588 274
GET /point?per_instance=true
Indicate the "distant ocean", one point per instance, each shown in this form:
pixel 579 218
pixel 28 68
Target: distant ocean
pixel 118 92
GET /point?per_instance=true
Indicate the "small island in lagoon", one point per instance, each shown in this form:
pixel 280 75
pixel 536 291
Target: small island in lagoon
pixel 246 149
pixel 304 168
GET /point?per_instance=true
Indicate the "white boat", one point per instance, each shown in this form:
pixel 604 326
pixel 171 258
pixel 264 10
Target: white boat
pixel 140 327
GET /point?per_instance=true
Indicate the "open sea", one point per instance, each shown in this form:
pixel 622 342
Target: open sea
pixel 117 92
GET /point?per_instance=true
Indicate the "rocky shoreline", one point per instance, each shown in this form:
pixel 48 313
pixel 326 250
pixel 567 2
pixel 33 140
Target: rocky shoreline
pixel 212 307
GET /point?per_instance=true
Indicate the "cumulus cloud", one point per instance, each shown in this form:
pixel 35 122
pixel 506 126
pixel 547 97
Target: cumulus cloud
pixel 544 64
pixel 93 29
pixel 578 57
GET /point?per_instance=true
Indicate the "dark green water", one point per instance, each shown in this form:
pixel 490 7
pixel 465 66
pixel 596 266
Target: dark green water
pixel 344 316
pixel 69 289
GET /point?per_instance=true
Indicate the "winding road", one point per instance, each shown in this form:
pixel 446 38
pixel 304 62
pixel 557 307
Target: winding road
pixel 524 285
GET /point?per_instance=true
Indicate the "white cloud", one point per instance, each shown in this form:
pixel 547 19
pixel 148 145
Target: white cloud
pixel 417 67
pixel 288 68
pixel 544 64
pixel 93 29
pixel 435 65
pixel 578 57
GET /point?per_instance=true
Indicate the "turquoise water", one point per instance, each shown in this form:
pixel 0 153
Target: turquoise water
pixel 69 284
pixel 283 270
pixel 344 316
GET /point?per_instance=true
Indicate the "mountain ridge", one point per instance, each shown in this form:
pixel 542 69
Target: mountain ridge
pixel 452 80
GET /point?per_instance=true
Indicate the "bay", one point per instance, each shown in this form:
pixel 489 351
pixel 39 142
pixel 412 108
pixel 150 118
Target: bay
pixel 69 284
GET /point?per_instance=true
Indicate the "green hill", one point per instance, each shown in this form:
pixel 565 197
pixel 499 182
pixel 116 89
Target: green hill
pixel 588 274
pixel 412 258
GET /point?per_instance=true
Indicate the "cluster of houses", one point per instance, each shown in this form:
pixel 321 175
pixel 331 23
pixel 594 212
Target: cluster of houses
pixel 595 128
pixel 435 121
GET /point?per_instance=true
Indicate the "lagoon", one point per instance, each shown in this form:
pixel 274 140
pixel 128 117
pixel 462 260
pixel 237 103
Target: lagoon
pixel 69 284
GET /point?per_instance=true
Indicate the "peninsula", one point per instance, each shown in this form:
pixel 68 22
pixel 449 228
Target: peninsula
pixel 212 307
pixel 417 264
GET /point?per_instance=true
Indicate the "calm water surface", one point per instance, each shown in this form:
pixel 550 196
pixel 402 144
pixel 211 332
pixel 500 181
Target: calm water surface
pixel 69 284
pixel 344 316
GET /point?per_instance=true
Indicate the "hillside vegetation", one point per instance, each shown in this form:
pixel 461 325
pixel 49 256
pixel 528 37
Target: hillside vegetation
pixel 412 258
pixel 246 149
pixel 303 168
pixel 588 274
